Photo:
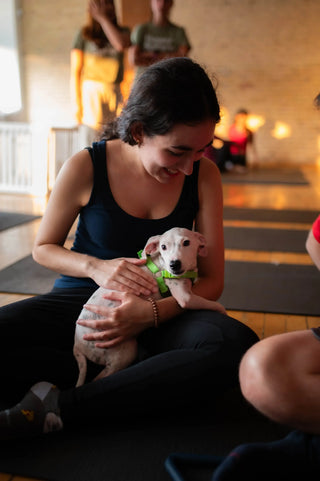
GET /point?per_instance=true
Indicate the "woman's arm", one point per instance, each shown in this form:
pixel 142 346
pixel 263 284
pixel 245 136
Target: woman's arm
pixel 119 39
pixel 209 222
pixel 182 51
pixel 71 192
pixel 76 64
pixel 142 58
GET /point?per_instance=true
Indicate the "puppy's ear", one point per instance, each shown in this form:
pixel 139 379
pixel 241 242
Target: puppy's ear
pixel 202 249
pixel 152 246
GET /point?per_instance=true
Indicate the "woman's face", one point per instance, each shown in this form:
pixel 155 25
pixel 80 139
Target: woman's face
pixel 241 119
pixel 166 157
pixel 161 6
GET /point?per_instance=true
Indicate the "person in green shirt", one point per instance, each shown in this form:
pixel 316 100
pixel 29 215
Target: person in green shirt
pixel 157 39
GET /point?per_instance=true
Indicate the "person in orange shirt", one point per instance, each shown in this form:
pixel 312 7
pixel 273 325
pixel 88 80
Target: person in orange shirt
pixel 97 67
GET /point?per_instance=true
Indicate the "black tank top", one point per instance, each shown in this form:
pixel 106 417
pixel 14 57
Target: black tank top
pixel 106 231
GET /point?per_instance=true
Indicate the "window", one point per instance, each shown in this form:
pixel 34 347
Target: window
pixel 10 87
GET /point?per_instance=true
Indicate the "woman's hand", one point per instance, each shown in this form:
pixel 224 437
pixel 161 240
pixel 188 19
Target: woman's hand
pixel 124 275
pixel 103 12
pixel 100 9
pixel 119 323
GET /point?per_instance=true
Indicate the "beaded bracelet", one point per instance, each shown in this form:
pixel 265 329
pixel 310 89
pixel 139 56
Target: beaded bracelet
pixel 155 311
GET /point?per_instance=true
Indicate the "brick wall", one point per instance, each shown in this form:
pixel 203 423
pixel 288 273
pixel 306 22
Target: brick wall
pixel 264 54
pixel 48 28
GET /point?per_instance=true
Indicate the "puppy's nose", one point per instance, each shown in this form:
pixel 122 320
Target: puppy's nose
pixel 175 265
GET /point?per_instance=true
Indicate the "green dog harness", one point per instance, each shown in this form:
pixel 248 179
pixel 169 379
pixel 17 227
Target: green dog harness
pixel 161 275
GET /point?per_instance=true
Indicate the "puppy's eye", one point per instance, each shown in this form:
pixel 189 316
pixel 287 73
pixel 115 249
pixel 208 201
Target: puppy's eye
pixel 186 243
pixel 163 247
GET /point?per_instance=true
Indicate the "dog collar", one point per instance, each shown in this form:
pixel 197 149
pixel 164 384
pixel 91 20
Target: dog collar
pixel 161 275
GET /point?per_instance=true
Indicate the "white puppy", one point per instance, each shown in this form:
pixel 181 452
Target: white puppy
pixel 172 259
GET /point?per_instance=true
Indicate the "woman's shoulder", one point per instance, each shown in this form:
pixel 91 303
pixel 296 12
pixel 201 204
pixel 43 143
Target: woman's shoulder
pixel 75 178
pixel 208 167
pixel 78 165
pixel 97 148
pixel 209 182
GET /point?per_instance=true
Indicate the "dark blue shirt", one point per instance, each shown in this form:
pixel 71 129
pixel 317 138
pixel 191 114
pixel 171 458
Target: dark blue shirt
pixel 106 231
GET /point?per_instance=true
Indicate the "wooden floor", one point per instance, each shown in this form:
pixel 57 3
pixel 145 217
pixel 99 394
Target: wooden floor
pixel 274 197
pixel 16 243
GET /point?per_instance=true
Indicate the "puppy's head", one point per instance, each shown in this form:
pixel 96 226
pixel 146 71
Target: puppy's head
pixel 176 250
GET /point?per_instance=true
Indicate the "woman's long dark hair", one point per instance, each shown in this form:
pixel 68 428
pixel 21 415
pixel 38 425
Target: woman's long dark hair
pixel 169 92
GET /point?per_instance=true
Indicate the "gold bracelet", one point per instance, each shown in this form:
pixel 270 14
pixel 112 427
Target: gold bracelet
pixel 155 311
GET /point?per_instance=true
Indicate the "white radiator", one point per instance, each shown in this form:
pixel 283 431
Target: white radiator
pixel 15 157
pixel 31 156
pixel 63 143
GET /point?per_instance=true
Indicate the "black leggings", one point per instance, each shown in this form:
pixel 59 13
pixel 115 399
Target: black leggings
pixel 187 359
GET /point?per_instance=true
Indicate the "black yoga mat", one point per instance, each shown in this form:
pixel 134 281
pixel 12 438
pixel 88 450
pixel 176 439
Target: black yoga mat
pixel 26 277
pixel 266 176
pixel 136 450
pixel 262 287
pixel 12 219
pixel 270 215
pixel 249 286
pixel 251 238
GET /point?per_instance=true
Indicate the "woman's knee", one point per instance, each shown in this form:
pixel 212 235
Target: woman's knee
pixel 199 331
pixel 216 332
pixel 265 372
pixel 279 376
pixel 251 373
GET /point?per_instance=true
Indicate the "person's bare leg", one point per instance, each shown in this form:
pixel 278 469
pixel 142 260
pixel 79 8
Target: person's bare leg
pixel 280 377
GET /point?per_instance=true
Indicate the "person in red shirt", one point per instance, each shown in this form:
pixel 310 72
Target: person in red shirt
pixel 280 377
pixel 232 155
pixel 240 137
pixel 313 242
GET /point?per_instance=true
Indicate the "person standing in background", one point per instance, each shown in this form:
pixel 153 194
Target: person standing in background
pixel 157 39
pixel 97 67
